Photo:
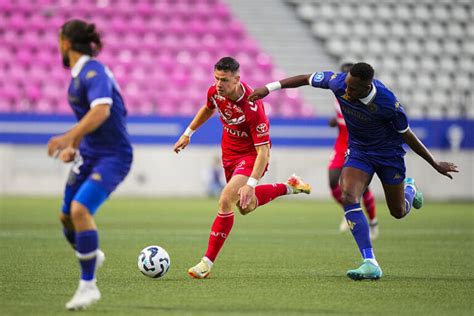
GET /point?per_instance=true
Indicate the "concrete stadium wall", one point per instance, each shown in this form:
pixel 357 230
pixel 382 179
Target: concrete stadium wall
pixel 158 171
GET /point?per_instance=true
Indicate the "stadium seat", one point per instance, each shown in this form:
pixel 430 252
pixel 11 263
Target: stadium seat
pixel 430 43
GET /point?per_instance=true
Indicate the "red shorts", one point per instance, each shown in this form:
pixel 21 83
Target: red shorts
pixel 337 159
pixel 243 166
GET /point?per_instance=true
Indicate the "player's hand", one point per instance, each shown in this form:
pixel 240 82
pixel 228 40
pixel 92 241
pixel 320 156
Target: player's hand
pixel 333 122
pixel 57 143
pixel 182 142
pixel 445 168
pixel 246 194
pixel 258 94
pixel 68 154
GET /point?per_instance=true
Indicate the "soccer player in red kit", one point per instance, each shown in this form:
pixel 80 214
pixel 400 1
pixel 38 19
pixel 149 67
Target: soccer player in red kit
pixel 245 155
pixel 336 164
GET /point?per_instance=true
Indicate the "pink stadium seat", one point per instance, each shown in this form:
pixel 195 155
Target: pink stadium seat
pixel 156 50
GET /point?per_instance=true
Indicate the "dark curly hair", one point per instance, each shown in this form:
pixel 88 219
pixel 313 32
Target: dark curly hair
pixel 84 37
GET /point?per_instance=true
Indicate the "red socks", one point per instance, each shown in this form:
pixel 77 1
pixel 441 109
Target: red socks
pixel 369 203
pixel 220 230
pixel 337 194
pixel 268 192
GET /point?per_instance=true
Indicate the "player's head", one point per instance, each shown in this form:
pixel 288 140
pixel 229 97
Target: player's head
pixel 359 81
pixel 80 37
pixel 346 67
pixel 226 76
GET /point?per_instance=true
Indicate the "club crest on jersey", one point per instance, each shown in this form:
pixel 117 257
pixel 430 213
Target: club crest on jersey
pixel 235 132
pixel 372 107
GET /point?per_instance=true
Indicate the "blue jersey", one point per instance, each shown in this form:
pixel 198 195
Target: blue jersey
pixel 92 84
pixel 376 122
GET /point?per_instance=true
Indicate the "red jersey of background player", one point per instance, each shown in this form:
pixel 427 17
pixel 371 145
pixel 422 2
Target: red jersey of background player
pixel 245 124
pixel 340 147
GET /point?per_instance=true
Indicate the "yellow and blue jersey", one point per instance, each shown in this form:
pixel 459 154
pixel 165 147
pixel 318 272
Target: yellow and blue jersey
pixel 92 84
pixel 375 123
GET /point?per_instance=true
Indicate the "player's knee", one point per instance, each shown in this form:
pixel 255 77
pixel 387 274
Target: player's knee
pixel 243 211
pixel 398 212
pixel 348 198
pixel 225 203
pixel 79 213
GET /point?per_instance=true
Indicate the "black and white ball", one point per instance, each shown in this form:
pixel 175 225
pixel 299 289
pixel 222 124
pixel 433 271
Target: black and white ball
pixel 154 262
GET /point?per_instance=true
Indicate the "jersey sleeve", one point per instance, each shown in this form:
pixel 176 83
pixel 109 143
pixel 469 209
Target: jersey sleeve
pixel 321 79
pixel 395 113
pixel 210 102
pixel 99 87
pixel 259 124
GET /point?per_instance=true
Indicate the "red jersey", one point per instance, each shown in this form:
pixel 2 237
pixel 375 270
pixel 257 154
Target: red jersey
pixel 245 124
pixel 343 136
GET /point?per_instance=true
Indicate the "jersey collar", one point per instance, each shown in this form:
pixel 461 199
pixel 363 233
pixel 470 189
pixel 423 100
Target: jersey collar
pixel 371 95
pixel 242 96
pixel 79 65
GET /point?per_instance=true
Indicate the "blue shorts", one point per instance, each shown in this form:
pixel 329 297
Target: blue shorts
pixel 92 180
pixel 389 165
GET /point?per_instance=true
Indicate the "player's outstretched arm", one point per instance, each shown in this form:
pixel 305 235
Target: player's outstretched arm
pixel 65 145
pixel 417 146
pixel 291 82
pixel 201 117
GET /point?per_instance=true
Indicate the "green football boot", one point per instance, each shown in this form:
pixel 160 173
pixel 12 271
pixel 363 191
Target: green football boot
pixel 367 271
pixel 418 199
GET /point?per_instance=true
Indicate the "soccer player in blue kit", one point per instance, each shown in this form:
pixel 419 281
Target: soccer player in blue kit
pixel 378 127
pixel 99 146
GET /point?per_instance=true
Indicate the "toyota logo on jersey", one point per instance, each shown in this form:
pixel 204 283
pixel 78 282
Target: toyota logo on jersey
pixel 262 128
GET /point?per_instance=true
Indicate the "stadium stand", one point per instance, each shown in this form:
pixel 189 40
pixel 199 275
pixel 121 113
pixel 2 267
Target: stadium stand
pixel 424 50
pixel 161 52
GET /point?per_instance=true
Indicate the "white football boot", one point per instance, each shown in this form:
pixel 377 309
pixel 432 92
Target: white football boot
pixel 86 294
pixel 201 270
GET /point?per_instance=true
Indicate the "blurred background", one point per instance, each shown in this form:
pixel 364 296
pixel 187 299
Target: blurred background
pixel 162 53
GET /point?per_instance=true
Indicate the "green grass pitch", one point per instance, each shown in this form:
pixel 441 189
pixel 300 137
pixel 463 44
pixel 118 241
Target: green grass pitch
pixel 286 258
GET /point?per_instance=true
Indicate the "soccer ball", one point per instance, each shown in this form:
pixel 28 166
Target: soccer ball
pixel 154 262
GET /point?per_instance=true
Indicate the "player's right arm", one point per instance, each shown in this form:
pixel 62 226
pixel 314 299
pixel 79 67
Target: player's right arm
pixel 317 80
pixel 291 82
pixel 201 117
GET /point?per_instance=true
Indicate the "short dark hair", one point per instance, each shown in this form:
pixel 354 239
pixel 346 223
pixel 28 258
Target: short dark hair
pixel 346 67
pixel 84 37
pixel 362 71
pixel 227 64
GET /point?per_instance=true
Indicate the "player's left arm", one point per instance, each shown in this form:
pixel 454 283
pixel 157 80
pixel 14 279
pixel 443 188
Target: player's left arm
pixel 99 87
pixel 418 147
pixel 247 192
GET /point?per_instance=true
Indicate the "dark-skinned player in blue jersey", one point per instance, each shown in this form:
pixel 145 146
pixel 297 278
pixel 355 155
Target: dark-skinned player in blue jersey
pixel 378 127
pixel 98 145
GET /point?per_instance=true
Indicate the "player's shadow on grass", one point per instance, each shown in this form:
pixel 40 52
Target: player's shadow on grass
pixel 239 310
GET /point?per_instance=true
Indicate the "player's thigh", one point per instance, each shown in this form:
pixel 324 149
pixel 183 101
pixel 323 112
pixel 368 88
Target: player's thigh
pixel 80 171
pixel 230 193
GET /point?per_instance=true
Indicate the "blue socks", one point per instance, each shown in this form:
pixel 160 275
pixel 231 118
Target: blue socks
pixel 409 196
pixel 360 229
pixel 87 245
